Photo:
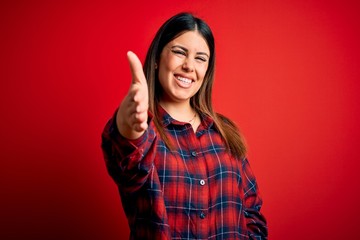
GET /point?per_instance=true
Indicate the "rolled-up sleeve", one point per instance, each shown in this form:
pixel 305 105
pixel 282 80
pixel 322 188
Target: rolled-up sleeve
pixel 255 221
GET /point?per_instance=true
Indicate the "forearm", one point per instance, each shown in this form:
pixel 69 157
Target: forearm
pixel 128 161
pixel 255 221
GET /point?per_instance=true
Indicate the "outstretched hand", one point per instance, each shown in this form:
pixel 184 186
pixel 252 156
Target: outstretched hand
pixel 132 115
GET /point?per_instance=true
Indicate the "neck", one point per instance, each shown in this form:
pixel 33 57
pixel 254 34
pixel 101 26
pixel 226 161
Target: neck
pixel 180 111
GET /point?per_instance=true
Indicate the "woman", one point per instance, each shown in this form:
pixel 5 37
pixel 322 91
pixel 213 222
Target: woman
pixel 181 169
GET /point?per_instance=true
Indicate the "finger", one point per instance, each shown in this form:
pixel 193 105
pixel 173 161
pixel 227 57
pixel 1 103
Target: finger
pixel 133 106
pixel 137 118
pixel 141 108
pixel 139 96
pixel 137 72
pixel 138 125
pixel 141 127
pixel 141 117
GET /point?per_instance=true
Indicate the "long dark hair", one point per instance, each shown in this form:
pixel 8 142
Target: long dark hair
pixel 202 100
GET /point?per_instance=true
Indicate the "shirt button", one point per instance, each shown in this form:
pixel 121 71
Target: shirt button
pixel 202 215
pixel 202 182
pixel 193 154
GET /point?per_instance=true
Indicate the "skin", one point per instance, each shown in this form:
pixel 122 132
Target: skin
pixel 182 68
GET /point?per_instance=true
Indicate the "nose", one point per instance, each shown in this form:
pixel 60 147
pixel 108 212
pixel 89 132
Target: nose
pixel 188 65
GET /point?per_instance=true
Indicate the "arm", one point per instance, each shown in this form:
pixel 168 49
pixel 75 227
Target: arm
pixel 131 117
pixel 126 140
pixel 129 162
pixel 256 222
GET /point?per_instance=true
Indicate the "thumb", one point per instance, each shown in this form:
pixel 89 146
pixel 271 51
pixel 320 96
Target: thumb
pixel 137 72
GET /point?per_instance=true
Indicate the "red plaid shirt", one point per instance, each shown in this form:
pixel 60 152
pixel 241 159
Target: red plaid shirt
pixel 195 191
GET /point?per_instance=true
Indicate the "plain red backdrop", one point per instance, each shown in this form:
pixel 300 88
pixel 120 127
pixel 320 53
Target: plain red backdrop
pixel 287 72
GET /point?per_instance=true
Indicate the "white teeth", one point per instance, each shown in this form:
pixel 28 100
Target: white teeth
pixel 185 80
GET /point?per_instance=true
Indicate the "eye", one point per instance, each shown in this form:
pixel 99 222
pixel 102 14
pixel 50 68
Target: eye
pixel 202 59
pixel 178 52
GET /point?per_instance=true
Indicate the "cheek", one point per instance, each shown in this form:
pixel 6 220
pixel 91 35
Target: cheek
pixel 165 70
pixel 202 71
pixel 164 75
pixel 169 61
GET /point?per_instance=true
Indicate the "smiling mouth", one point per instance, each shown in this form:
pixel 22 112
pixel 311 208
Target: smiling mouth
pixel 184 80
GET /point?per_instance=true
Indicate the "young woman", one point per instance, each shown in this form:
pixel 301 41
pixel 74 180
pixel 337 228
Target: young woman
pixel 181 168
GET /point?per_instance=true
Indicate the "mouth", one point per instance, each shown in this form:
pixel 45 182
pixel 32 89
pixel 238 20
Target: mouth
pixel 184 81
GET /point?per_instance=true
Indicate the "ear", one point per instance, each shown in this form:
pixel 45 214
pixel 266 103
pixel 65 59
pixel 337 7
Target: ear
pixel 156 66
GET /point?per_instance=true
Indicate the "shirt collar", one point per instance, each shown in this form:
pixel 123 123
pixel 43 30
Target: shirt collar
pixel 206 121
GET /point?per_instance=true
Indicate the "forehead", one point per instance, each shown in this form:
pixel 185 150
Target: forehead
pixel 192 40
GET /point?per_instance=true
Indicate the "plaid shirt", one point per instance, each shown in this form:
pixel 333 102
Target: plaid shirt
pixel 195 191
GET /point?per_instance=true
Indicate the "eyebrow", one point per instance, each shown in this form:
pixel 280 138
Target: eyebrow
pixel 186 50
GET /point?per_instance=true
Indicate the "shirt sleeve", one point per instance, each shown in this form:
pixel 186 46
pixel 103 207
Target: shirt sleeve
pixel 256 222
pixel 129 162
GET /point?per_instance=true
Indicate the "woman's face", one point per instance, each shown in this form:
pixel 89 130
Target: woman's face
pixel 182 67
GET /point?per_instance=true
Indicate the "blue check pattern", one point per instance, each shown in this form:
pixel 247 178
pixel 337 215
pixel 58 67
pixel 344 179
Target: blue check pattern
pixel 197 190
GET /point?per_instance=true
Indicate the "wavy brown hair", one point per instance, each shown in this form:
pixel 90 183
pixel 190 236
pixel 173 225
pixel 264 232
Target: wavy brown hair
pixel 202 100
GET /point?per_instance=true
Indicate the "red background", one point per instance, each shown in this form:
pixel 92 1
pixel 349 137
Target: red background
pixel 287 73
